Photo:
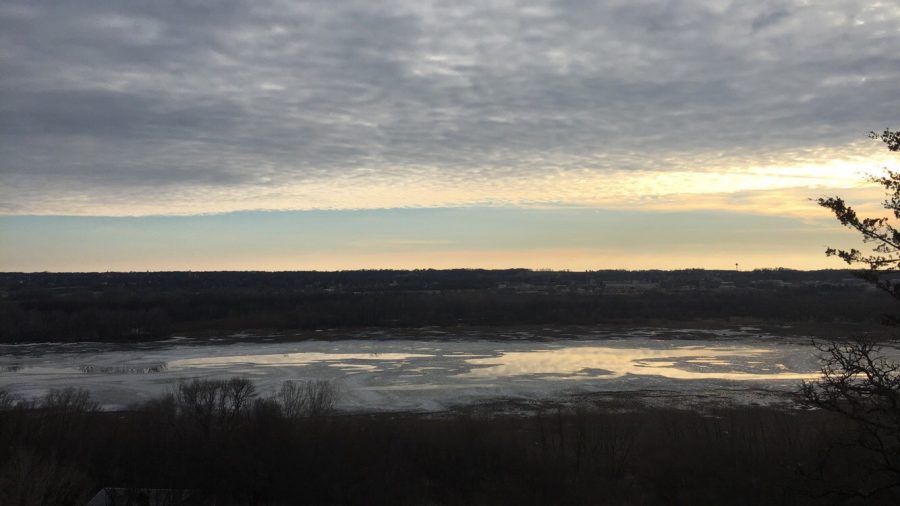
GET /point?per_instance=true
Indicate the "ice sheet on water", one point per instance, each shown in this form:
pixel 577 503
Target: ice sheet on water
pixel 395 374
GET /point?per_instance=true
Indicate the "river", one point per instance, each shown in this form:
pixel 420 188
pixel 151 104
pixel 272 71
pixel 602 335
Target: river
pixel 435 370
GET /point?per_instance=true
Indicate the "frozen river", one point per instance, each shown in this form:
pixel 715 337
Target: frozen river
pixel 431 372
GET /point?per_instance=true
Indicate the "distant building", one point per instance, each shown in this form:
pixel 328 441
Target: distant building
pixel 629 287
pixel 111 496
pixel 770 284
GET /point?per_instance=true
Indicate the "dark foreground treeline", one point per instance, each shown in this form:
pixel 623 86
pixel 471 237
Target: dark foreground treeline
pixel 219 444
pixel 138 306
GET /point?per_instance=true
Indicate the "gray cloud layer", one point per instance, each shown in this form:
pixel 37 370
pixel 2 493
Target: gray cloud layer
pixel 103 97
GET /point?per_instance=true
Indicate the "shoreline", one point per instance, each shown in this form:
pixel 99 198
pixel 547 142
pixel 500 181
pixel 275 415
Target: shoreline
pixel 803 332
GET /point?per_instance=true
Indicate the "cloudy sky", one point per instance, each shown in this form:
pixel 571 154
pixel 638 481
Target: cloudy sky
pixel 345 134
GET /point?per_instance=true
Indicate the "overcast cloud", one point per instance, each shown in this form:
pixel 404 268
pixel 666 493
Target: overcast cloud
pixel 111 107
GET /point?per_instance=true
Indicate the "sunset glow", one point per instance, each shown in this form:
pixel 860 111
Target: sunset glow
pixel 133 111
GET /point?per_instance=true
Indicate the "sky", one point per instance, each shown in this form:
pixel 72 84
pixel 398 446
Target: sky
pixel 566 134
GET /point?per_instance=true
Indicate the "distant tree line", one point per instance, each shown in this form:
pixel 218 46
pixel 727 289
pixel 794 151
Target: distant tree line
pixel 386 279
pixel 140 306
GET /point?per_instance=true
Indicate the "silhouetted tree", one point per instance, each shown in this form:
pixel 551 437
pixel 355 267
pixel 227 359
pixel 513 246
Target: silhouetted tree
pixel 306 398
pixel 881 233
pixel 209 402
pixel 857 381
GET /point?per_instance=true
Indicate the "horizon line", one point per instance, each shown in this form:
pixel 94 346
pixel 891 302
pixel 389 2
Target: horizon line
pixel 426 269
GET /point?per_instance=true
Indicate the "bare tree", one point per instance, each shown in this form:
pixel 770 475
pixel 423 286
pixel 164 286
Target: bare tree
pixel 861 384
pixel 69 400
pixel 211 401
pixel 881 233
pixel 857 381
pixel 7 400
pixel 306 398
